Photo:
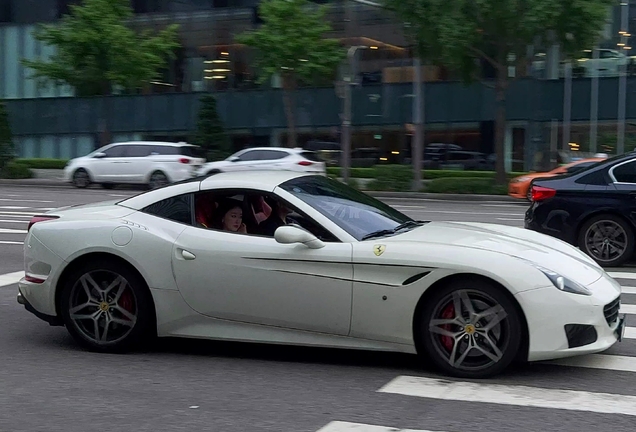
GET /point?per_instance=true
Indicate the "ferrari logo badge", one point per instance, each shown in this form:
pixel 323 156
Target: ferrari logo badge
pixel 379 249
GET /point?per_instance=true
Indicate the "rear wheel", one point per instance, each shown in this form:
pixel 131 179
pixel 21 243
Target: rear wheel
pixel 158 179
pixel 106 307
pixel 470 329
pixel 608 239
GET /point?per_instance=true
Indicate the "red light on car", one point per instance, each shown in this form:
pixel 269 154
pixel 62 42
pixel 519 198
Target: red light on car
pixel 305 163
pixel 540 193
pixel 184 160
pixel 36 219
pixel 33 279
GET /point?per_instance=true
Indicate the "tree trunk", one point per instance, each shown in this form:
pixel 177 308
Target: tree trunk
pixel 289 89
pixel 500 127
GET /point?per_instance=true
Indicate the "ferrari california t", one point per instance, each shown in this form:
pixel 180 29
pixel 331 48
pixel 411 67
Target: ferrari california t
pixel 293 258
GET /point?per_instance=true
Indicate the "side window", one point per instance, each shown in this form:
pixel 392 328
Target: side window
pixel 177 209
pixel 138 151
pixel 250 212
pixel 272 154
pixel 116 151
pixel 249 156
pixel 625 173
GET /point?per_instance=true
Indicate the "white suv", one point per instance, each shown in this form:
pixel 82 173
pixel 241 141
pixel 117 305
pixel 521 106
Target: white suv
pixel 268 158
pixel 137 162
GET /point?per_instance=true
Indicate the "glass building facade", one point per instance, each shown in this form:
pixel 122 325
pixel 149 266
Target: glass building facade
pixel 580 106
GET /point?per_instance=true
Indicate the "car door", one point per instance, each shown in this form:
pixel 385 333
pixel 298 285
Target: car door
pixel 254 279
pixel 623 189
pixel 111 166
pixel 136 166
pixel 245 161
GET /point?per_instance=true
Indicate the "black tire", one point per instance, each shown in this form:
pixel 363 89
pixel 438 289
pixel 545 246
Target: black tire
pixel 134 295
pixel 81 178
pixel 600 233
pixel 158 179
pixel 507 332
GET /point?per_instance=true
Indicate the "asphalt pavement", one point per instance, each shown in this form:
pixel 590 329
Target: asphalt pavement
pixel 48 383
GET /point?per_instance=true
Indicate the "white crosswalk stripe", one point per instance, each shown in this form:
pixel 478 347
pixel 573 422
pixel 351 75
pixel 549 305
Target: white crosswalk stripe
pixel 340 426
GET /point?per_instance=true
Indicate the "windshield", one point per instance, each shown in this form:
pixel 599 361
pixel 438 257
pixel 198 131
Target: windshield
pixel 355 212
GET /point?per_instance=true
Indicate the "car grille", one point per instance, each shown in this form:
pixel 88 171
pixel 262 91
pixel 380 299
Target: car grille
pixel 611 311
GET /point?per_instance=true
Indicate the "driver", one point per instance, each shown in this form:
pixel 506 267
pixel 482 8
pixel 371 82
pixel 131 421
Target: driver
pixel 277 218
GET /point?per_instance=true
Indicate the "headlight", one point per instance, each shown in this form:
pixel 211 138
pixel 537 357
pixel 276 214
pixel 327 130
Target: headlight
pixel 520 179
pixel 563 283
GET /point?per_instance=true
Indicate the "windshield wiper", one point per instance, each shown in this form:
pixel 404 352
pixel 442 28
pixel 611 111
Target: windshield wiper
pixel 401 226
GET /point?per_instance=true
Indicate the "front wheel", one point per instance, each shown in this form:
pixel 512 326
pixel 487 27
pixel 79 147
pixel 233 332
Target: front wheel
pixel 106 307
pixel 608 239
pixel 81 179
pixel 470 329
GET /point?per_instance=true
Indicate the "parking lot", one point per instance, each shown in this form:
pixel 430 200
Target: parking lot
pixel 50 384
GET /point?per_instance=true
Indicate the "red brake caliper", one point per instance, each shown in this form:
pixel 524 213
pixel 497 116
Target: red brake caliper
pixel 126 301
pixel 447 313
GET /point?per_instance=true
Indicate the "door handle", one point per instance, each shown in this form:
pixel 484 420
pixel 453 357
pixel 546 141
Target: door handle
pixel 187 255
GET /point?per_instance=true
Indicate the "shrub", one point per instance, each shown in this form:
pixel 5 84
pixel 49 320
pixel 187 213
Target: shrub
pixel 397 178
pixel 468 185
pixel 15 170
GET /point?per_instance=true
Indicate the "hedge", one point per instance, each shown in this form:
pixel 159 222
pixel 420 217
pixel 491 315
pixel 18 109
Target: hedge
pixel 372 173
pixel 467 185
pixel 43 163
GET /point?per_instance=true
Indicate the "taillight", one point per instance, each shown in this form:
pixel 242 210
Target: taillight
pixel 184 160
pixel 36 219
pixel 305 163
pixel 540 193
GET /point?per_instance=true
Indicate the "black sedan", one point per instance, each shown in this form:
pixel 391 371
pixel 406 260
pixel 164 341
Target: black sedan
pixel 594 209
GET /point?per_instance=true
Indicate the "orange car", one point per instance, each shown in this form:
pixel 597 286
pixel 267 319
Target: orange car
pixel 519 187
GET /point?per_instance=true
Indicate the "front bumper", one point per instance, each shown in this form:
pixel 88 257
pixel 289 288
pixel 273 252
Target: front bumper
pixel 563 324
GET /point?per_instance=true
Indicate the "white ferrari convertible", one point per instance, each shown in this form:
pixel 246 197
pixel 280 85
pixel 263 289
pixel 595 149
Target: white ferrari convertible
pixel 290 258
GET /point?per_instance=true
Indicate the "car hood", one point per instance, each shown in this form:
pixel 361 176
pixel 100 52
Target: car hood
pixel 543 250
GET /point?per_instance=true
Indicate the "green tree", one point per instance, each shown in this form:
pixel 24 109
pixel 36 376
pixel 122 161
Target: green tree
pixel 291 43
pixel 210 134
pixel 461 34
pixel 7 152
pixel 96 49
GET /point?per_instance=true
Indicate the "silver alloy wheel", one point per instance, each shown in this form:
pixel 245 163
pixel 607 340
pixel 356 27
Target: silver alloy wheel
pixel 103 307
pixel 81 179
pixel 158 179
pixel 471 330
pixel 606 240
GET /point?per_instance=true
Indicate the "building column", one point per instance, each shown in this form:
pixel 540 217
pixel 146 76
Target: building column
pixel 508 148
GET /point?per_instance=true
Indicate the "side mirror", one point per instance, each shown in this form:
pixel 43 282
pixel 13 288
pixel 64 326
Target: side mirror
pixel 233 159
pixel 99 155
pixel 289 234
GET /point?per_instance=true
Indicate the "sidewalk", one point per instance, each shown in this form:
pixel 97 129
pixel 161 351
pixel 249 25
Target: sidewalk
pixel 54 179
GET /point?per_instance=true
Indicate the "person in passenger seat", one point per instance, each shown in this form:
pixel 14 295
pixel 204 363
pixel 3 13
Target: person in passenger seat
pixel 229 216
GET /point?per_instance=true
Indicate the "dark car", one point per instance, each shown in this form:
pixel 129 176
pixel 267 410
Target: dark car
pixel 594 209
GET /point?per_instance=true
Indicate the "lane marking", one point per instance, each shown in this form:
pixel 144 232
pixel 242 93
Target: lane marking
pixel 12 231
pixel 14 208
pixel 510 219
pixel 600 361
pixel 628 290
pixel 8 213
pixel 469 213
pixel 341 426
pixel 511 395
pixel 13 221
pixel 628 309
pixel 24 200
pixel 11 242
pixel 11 278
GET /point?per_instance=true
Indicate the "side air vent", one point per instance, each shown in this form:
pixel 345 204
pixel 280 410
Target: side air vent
pixel 415 278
